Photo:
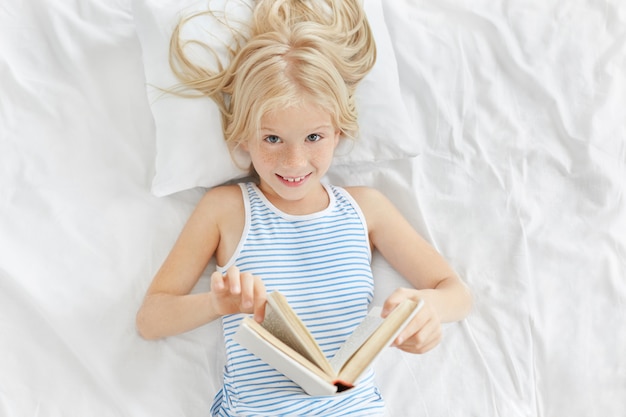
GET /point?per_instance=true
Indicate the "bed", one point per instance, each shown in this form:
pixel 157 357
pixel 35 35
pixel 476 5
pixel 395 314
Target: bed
pixel 497 127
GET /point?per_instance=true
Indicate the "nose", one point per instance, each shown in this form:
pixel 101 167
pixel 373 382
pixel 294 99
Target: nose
pixel 294 156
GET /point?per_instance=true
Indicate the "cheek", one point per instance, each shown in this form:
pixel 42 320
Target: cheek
pixel 330 152
pixel 267 160
pixel 262 158
pixel 324 157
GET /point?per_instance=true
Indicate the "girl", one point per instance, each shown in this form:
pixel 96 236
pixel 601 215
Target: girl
pixel 287 99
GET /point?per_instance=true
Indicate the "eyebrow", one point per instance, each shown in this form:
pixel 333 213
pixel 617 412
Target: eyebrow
pixel 312 129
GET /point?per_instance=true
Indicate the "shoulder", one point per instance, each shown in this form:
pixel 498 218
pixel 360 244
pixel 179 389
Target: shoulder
pixel 220 201
pixel 366 196
pixel 375 206
pixel 222 208
pixel 222 194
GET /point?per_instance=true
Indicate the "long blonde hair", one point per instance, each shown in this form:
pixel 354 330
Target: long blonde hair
pixel 294 50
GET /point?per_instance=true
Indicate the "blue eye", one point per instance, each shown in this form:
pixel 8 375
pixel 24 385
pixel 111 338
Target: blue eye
pixel 313 137
pixel 272 139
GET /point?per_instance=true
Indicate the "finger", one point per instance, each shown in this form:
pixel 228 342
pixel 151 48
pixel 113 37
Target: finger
pixel 217 282
pixel 412 329
pixel 234 280
pixel 428 344
pixel 247 291
pixel 420 349
pixel 260 299
pixel 393 300
pixel 425 339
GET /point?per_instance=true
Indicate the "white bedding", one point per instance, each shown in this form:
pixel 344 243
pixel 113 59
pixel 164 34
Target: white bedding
pixel 518 109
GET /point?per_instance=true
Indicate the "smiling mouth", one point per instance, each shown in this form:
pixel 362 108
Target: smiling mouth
pixel 293 180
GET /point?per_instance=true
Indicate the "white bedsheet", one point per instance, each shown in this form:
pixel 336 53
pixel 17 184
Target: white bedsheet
pixel 519 108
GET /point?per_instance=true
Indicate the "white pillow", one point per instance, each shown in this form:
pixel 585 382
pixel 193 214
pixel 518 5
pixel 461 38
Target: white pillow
pixel 191 151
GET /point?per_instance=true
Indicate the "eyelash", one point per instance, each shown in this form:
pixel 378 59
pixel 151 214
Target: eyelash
pixel 270 137
pixel 276 139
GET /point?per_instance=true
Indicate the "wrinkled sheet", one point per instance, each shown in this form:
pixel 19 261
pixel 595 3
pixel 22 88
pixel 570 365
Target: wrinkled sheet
pixel 519 110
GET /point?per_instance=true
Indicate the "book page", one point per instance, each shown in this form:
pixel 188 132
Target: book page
pixel 281 321
pixel 290 363
pixel 382 337
pixel 362 332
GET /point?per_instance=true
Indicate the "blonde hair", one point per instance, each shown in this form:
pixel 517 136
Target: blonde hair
pixel 295 50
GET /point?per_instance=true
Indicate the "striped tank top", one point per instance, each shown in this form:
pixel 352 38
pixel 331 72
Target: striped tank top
pixel 321 263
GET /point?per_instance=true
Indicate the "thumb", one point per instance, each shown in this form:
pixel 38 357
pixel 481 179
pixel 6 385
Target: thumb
pixel 391 302
pixel 399 295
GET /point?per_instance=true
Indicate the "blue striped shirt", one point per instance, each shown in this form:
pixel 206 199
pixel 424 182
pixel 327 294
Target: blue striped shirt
pixel 321 263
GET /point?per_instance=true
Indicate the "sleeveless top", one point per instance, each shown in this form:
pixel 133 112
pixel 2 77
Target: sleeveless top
pixel 321 263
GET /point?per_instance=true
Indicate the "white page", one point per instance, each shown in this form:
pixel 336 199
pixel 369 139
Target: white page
pixel 362 332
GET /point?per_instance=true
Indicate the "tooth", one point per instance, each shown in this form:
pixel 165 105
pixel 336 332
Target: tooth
pixel 293 179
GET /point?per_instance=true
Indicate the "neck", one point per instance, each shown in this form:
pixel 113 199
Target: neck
pixel 314 201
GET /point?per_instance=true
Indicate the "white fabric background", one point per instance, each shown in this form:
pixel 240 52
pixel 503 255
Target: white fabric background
pixel 519 110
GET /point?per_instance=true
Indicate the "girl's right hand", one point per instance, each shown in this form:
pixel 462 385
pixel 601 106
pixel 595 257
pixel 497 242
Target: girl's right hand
pixel 237 292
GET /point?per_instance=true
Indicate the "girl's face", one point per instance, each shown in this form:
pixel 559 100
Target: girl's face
pixel 292 152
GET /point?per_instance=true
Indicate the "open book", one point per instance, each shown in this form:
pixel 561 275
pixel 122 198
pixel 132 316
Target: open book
pixel 284 342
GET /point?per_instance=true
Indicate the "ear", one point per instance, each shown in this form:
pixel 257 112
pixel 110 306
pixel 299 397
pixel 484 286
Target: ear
pixel 240 155
pixel 243 145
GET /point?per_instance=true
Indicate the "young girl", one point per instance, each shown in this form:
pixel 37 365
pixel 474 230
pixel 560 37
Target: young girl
pixel 287 99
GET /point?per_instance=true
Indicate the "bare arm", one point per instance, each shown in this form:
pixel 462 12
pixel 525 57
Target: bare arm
pixel 446 297
pixel 168 306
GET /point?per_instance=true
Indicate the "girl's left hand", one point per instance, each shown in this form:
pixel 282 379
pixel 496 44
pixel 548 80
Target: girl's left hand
pixel 424 332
